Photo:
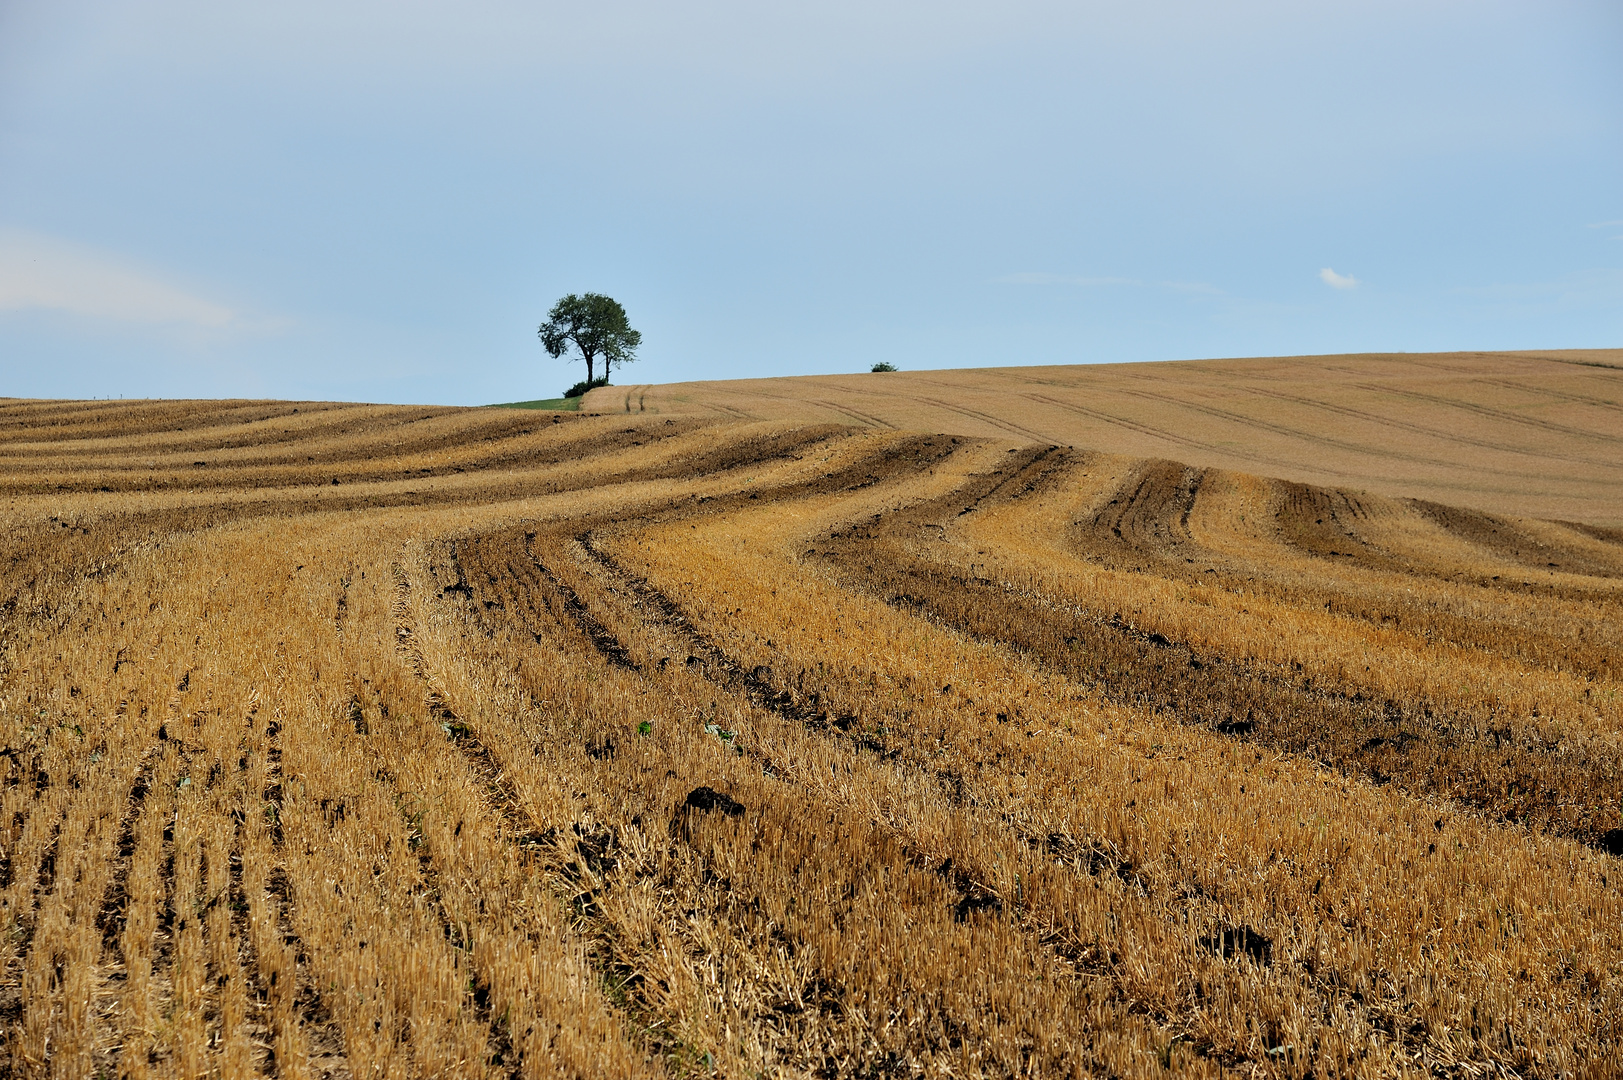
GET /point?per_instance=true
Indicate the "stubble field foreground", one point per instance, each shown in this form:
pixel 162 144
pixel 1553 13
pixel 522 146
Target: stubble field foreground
pixel 354 741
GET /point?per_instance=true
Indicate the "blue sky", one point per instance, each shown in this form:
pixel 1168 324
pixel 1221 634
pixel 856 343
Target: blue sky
pixel 379 201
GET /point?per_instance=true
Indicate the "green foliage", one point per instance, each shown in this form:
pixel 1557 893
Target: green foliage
pixel 884 366
pixel 580 388
pixel 589 326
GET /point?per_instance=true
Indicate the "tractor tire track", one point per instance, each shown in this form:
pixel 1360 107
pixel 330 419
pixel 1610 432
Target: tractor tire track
pixel 1558 395
pixel 1364 450
pixel 1494 414
pixel 1139 428
pixel 1439 433
pixel 985 418
pixel 867 419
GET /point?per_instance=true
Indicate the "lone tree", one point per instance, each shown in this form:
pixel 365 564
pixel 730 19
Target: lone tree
pixel 593 325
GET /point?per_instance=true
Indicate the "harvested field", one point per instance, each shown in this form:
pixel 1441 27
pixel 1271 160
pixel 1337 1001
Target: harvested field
pixel 525 744
pixel 1527 433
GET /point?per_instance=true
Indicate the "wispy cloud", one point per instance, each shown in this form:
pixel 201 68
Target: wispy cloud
pixel 1063 279
pixel 1191 287
pixel 1337 281
pixel 1095 282
pixel 46 272
pixel 1604 224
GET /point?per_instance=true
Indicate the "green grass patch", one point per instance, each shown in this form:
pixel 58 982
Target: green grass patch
pixel 556 404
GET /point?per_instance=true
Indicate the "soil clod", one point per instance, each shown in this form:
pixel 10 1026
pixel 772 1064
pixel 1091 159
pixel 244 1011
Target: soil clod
pixel 707 799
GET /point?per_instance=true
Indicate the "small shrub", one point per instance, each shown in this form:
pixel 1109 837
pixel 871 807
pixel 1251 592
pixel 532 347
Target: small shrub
pixel 581 387
pixel 884 366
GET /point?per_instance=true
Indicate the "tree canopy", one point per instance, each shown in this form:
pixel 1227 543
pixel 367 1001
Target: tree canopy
pixel 590 325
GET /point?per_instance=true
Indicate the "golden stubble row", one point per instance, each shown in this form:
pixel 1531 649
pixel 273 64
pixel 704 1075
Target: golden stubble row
pixel 1358 884
pixel 1024 544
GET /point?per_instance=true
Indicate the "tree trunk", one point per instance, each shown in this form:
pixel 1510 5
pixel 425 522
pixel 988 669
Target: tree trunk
pixel 590 379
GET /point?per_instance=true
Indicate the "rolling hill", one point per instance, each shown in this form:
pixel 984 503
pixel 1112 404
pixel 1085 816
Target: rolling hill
pixel 1537 433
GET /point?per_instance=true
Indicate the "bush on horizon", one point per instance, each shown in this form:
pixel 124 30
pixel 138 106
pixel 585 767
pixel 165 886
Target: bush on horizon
pixel 586 384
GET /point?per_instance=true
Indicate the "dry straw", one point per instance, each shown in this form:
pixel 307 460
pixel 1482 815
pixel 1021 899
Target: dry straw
pixel 355 740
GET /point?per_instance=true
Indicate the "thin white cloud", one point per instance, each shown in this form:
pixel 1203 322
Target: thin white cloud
pixel 1199 287
pixel 1095 282
pixel 1337 281
pixel 1604 224
pixel 46 272
pixel 1063 279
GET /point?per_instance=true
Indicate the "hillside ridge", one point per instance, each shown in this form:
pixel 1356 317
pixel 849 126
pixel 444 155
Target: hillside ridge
pixel 1533 432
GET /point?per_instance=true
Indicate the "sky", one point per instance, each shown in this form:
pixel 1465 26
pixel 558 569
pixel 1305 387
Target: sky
pixel 379 201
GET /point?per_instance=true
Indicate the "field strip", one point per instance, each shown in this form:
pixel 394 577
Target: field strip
pixel 536 1024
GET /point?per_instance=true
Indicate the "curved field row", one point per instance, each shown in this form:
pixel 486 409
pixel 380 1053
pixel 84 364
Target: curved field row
pixel 586 746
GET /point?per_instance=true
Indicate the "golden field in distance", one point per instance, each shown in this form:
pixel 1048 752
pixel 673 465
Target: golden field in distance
pixel 351 741
pixel 1535 433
